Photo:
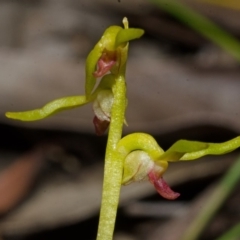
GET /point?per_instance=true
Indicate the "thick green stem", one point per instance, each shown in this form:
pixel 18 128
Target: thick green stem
pixel 113 166
pixel 113 169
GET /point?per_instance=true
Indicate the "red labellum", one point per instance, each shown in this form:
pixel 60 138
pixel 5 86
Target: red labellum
pixel 162 187
pixel 105 63
pixel 100 126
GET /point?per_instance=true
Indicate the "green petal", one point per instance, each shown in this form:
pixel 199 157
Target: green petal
pixel 49 109
pixel 184 150
pixel 178 149
pixel 126 35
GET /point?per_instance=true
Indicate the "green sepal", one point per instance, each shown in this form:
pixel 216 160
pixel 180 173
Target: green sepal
pixel 213 149
pixel 107 42
pixel 139 141
pixel 179 148
pixel 185 150
pixel 126 35
pixel 49 109
pixel 91 63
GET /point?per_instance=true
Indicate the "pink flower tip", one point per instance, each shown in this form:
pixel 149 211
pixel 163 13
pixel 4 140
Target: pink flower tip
pixel 100 126
pixel 162 187
pixel 105 63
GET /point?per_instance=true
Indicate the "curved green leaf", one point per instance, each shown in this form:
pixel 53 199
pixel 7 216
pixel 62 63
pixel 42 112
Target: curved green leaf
pixel 49 109
pixel 126 35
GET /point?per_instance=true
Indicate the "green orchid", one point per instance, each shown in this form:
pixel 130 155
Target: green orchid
pixel 108 55
pixel 136 156
pixel 144 158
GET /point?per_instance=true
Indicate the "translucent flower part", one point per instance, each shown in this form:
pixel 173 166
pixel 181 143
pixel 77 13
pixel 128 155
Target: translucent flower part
pixel 102 105
pixel 137 165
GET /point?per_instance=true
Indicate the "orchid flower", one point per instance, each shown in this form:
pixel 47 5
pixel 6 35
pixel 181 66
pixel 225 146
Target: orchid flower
pixel 145 159
pixel 105 57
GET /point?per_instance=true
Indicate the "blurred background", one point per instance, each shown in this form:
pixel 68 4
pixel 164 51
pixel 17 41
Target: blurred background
pixel 181 85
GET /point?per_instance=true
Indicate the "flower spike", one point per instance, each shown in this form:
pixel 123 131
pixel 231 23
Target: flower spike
pixel 137 156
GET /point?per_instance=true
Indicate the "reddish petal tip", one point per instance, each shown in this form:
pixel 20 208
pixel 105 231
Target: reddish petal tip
pixel 100 126
pixel 162 187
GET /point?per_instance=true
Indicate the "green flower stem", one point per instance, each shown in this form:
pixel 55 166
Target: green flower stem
pixel 202 25
pixel 113 169
pixel 215 201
